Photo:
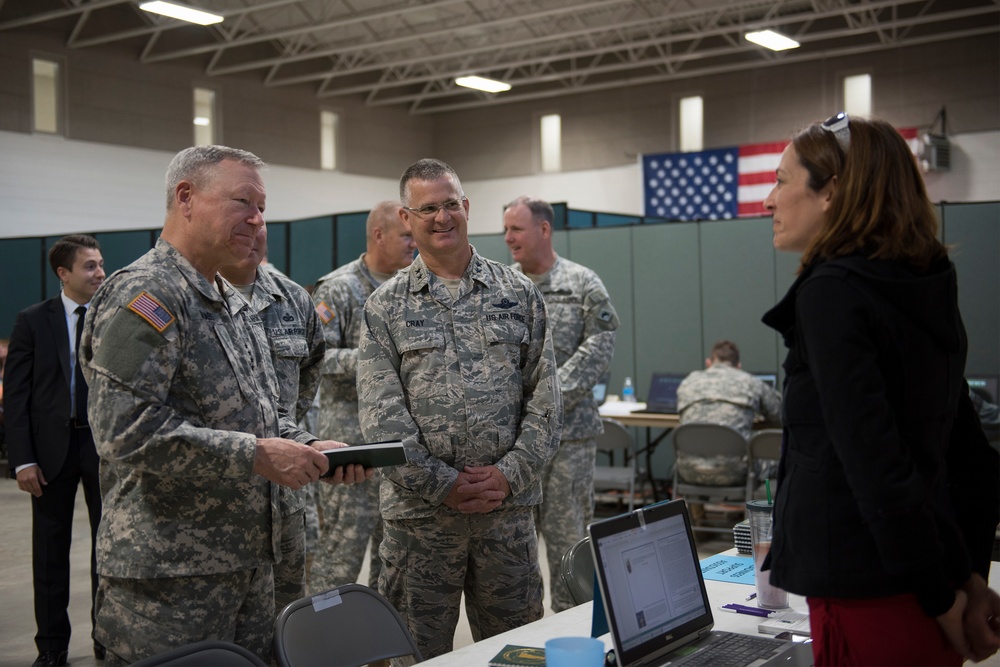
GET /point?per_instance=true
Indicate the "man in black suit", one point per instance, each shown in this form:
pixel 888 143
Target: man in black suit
pixel 50 446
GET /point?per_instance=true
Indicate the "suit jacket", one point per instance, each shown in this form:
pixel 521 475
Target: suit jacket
pixel 37 388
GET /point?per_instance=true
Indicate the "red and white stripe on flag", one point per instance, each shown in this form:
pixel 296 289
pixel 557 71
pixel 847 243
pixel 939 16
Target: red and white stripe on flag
pixel 755 168
pixel 758 162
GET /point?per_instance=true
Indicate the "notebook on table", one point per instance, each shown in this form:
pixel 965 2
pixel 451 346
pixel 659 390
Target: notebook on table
pixel 655 600
pixel 662 395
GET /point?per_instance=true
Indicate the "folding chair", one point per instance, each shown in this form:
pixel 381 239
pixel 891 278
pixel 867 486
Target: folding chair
pixel 576 569
pixel 347 626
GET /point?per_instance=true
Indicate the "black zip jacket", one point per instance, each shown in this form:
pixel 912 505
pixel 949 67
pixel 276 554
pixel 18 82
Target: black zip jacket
pixel 887 484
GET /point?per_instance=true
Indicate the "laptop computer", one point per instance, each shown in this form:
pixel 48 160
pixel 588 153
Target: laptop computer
pixel 601 389
pixel 654 593
pixel 662 395
pixel 770 379
pixel 985 385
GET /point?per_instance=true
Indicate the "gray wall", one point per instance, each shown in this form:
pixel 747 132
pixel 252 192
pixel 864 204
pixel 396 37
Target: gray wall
pixel 111 98
pixel 612 128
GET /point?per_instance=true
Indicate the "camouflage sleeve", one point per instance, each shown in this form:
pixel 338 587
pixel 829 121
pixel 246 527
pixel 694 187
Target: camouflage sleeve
pixel 770 404
pixel 383 412
pixel 579 374
pixel 542 411
pixel 334 310
pixel 131 367
pixel 310 366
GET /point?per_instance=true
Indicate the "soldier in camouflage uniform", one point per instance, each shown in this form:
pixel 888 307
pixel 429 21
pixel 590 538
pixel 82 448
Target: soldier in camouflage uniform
pixel 456 361
pixel 723 394
pixel 184 414
pixel 297 345
pixel 350 513
pixel 583 324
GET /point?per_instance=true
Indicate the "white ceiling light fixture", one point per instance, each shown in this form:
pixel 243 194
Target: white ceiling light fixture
pixel 772 40
pixel 181 12
pixel 483 84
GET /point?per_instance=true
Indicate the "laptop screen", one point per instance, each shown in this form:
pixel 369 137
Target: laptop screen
pixel 601 389
pixel 770 379
pixel 650 581
pixel 662 395
pixel 984 384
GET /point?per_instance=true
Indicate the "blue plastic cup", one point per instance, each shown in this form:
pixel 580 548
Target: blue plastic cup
pixel 574 652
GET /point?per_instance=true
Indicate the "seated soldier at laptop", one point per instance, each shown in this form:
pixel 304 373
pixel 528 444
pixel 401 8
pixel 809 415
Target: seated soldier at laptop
pixel 725 394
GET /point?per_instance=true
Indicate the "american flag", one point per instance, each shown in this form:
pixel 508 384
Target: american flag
pixel 717 184
pixel 149 309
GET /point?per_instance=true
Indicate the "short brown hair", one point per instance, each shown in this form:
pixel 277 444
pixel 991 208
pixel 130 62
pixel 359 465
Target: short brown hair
pixel 63 252
pixel 726 350
pixel 880 206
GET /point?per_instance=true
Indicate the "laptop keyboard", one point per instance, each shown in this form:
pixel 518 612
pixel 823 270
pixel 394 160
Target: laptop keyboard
pixel 732 650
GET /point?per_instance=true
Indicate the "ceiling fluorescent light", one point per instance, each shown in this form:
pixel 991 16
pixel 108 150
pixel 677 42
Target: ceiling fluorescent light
pixel 483 84
pixel 176 11
pixel 771 40
pixel 201 120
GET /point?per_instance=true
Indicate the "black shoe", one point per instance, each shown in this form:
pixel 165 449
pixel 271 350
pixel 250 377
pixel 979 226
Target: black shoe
pixel 99 651
pixel 50 659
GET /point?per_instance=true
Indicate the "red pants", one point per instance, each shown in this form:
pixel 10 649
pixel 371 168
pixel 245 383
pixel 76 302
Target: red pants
pixel 877 632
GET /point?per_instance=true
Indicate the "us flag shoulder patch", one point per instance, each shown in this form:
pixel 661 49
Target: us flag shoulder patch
pixel 149 309
pixel 325 313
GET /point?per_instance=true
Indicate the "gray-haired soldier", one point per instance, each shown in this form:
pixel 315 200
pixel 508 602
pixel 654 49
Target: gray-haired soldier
pixel 456 361
pixel 725 394
pixel 293 330
pixel 187 425
pixel 350 513
pixel 583 324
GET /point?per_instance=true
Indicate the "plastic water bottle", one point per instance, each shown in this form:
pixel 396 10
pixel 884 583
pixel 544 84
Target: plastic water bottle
pixel 628 391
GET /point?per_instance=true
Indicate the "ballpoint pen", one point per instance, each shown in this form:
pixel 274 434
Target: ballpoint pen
pixel 743 609
pixel 751 596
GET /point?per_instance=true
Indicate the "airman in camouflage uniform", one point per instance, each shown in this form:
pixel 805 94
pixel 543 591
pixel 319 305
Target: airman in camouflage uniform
pixel 297 345
pixel 723 394
pixel 583 324
pixel 456 361
pixel 350 513
pixel 184 416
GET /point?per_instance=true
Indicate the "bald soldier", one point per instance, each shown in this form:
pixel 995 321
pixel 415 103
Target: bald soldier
pixel 192 440
pixel 350 513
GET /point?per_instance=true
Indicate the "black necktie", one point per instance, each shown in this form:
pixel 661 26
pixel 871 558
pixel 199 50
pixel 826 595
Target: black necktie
pixel 81 384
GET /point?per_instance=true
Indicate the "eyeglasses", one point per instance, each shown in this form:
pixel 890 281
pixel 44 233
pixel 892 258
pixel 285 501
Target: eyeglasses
pixel 840 127
pixel 431 210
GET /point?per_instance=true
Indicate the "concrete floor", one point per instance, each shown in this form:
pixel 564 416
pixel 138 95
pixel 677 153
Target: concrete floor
pixel 17 624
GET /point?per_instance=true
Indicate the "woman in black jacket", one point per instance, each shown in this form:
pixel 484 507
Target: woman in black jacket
pixel 888 493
